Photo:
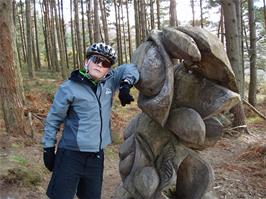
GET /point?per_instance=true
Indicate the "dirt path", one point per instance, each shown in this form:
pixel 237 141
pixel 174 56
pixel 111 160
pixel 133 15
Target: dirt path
pixel 239 167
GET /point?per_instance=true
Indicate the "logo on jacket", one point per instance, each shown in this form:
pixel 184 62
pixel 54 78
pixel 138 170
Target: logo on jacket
pixel 108 91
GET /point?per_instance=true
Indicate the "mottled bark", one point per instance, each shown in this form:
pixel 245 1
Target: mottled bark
pixel 11 101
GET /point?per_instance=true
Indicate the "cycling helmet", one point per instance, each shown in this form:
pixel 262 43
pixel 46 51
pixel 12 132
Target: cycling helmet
pixel 102 49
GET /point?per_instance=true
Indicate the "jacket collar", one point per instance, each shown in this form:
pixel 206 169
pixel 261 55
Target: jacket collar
pixel 77 76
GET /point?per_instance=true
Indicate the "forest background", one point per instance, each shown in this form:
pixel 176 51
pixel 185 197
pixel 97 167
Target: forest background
pixel 42 41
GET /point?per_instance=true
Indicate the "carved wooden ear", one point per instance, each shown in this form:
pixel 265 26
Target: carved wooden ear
pixel 194 176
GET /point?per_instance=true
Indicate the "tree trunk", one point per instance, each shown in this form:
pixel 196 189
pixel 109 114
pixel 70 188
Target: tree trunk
pixel 78 47
pixel 11 101
pixel 152 14
pixel 201 14
pixel 60 42
pixel 62 31
pixel 72 37
pixel 104 21
pixel 83 28
pixel 14 6
pixel 264 11
pixel 142 20
pixel 53 48
pixel 128 33
pixel 158 14
pixel 45 33
pixel 137 30
pixel 193 12
pixel 252 54
pixel 232 41
pixel 173 19
pixel 96 27
pixel 233 52
pixel 89 20
pixel 36 37
pixel 124 33
pixel 23 36
pixel 29 40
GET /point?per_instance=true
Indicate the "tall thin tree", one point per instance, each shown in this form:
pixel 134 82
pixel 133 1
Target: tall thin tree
pixel 252 54
pixel 128 33
pixel 96 24
pixel 173 19
pixel 193 12
pixel 29 40
pixel 36 36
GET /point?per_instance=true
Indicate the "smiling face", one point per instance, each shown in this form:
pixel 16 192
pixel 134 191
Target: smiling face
pixel 98 67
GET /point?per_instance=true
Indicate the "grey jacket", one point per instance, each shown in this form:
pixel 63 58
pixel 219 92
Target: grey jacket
pixel 85 114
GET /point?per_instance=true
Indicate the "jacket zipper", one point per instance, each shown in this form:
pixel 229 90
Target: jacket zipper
pixel 100 110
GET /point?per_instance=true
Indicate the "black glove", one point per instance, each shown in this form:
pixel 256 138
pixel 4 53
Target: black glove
pixel 49 157
pixel 124 93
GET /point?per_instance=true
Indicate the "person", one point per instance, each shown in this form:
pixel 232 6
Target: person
pixel 83 103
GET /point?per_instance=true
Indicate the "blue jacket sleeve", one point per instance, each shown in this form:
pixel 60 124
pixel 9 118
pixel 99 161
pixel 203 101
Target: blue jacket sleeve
pixel 125 71
pixel 56 115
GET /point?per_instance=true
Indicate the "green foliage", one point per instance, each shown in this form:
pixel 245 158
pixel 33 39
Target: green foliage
pixel 18 159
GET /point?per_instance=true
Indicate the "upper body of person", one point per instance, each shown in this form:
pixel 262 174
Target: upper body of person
pixel 83 102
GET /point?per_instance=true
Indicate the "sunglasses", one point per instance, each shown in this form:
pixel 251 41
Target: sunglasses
pixel 100 60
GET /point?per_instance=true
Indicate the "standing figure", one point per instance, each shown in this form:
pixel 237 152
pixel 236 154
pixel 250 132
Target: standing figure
pixel 83 103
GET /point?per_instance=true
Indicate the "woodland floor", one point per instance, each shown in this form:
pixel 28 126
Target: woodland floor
pixel 238 161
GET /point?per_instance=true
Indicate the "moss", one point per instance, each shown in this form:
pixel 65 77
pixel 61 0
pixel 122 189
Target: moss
pixel 23 176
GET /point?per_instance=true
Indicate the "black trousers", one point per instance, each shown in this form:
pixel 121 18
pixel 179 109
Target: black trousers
pixel 78 173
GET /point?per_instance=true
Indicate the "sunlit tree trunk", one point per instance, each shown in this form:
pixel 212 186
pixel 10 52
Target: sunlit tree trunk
pixel 252 54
